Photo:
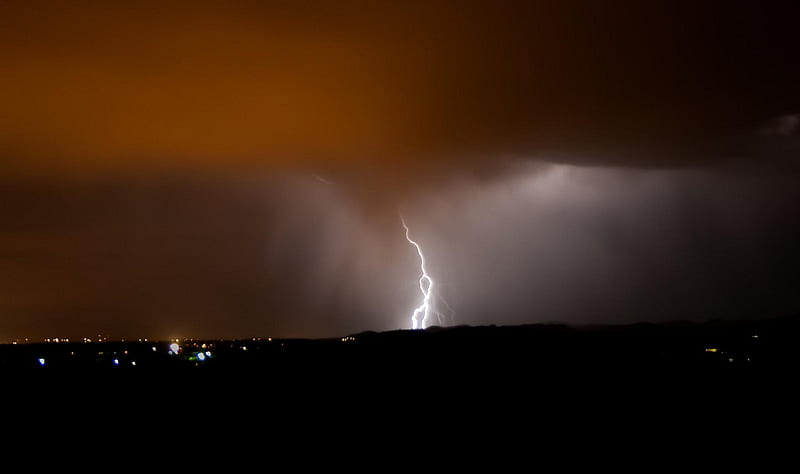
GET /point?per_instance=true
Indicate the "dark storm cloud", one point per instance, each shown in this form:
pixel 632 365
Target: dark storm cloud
pixel 785 125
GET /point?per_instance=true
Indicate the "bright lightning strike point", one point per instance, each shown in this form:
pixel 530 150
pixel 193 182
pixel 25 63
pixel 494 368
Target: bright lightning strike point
pixel 422 314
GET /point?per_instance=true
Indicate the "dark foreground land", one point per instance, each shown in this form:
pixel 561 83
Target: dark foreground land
pixel 698 374
pixel 711 347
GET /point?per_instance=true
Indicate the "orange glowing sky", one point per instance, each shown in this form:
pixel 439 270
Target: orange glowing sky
pixel 108 85
pixel 92 86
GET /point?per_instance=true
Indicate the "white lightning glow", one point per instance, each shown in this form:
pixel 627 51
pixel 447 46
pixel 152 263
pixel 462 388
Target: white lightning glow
pixel 426 310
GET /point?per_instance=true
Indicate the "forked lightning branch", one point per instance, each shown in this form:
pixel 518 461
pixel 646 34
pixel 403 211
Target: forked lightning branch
pixel 426 311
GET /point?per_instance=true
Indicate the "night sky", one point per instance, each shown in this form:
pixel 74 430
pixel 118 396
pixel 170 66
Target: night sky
pixel 237 168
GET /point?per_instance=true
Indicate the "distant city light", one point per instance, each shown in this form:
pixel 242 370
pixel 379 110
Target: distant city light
pixel 116 361
pixel 174 347
pixel 42 361
pixel 711 349
pixel 208 353
pixel 201 356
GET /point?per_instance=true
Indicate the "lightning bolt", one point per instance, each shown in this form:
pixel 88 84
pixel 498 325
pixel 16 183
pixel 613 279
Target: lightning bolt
pixel 423 313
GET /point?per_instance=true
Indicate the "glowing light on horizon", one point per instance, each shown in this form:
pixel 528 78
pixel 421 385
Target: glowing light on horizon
pixel 422 314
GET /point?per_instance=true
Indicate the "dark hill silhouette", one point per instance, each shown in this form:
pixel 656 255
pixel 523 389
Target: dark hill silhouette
pixel 717 345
